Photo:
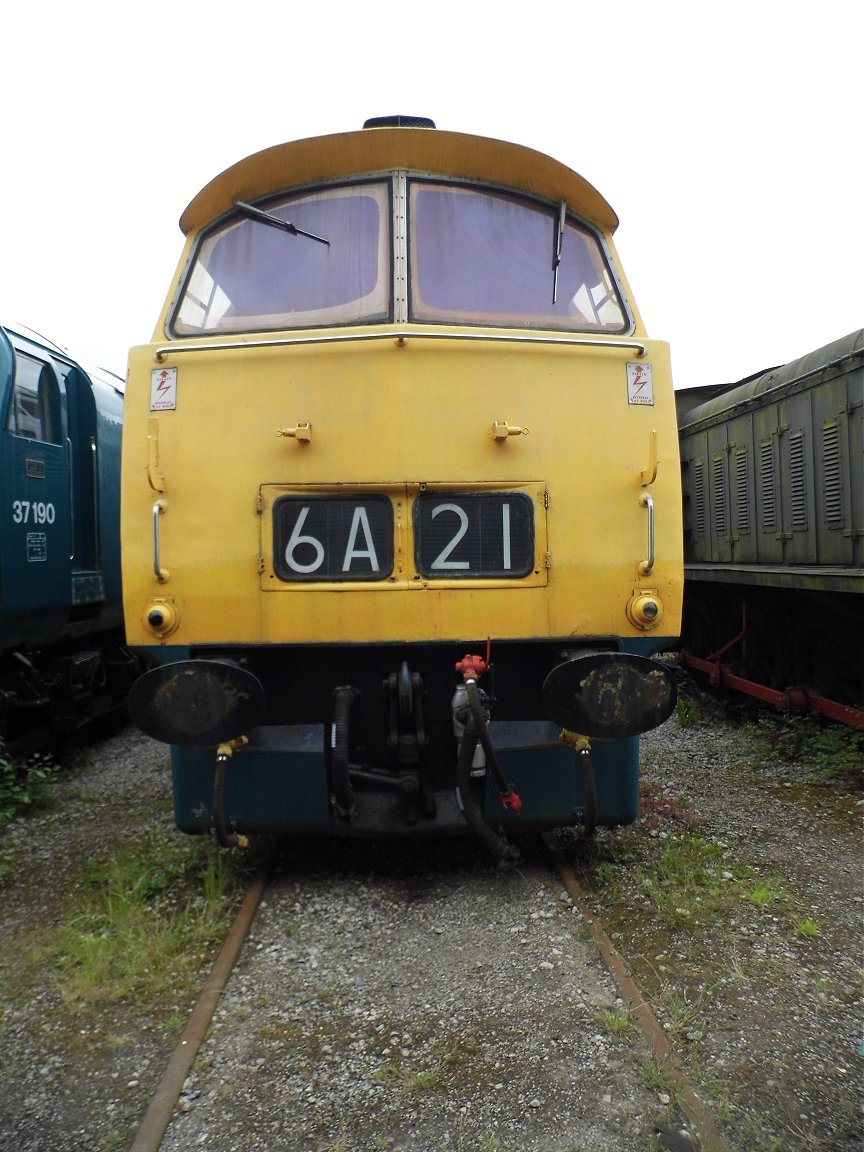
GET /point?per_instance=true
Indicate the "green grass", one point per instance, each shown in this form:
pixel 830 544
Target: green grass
pixel 686 712
pixel 616 1020
pixel 688 884
pixel 686 880
pixel 113 1141
pixel 762 895
pixel 149 913
pixel 821 748
pixel 24 785
pixel 457 1060
pixel 658 1078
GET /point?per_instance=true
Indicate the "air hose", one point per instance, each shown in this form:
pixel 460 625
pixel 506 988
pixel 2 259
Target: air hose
pixel 497 844
pixel 509 798
pixel 343 793
pixel 476 730
pixel 581 745
pixel 590 792
pixel 225 838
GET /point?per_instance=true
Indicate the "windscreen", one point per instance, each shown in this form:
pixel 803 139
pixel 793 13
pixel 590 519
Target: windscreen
pixel 327 264
pixel 325 257
pixel 479 256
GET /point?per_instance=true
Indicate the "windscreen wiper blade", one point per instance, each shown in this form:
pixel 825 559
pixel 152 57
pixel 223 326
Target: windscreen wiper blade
pixel 559 240
pixel 274 221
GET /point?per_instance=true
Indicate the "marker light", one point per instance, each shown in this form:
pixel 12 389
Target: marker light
pixel 645 609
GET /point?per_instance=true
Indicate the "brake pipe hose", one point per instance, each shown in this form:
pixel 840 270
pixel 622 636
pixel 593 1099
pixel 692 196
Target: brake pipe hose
pixel 472 667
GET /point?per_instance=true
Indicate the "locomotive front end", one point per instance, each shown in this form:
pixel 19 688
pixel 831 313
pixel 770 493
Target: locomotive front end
pixel 401 497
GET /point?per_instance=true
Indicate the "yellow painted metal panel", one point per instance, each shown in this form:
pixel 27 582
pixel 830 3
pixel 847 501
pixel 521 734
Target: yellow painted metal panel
pixel 398 415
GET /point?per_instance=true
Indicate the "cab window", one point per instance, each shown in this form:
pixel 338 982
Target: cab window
pixel 483 257
pixel 34 411
pixel 318 258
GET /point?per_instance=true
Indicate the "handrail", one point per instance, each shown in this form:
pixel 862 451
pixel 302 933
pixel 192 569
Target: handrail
pixel 401 337
pixel 646 565
pixel 161 574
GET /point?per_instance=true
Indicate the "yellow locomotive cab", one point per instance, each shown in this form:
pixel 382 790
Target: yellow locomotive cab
pixel 400 407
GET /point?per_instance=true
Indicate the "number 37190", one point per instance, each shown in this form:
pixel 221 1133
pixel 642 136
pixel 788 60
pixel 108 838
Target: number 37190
pixel 32 512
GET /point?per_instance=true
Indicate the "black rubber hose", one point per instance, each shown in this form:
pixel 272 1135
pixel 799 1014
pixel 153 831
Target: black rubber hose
pixel 479 719
pixel 226 839
pixel 497 845
pixel 590 792
pixel 343 793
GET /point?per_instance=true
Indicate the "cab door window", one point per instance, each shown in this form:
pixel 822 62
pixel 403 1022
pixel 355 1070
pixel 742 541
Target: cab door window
pixel 34 409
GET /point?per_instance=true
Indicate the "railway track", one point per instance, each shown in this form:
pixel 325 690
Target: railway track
pixel 516 1034
pixel 513 1053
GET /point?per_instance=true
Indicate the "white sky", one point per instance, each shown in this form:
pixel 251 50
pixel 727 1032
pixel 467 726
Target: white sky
pixel 726 136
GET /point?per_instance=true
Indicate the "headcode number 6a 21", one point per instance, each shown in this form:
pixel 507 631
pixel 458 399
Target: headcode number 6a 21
pixel 32 512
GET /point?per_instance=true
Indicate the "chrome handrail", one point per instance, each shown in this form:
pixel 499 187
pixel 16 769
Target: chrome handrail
pixel 400 338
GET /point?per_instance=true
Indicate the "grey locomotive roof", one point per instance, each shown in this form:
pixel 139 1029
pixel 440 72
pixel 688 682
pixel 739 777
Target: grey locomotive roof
pixel 754 391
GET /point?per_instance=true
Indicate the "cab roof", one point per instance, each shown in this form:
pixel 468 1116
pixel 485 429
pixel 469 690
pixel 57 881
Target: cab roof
pixel 375 150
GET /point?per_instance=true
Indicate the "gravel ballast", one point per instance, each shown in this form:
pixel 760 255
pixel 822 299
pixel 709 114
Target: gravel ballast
pixel 415 997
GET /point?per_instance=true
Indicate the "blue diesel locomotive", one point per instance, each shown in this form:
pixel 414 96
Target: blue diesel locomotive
pixel 62 659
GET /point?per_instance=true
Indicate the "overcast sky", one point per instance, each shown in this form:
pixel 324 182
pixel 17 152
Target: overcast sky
pixel 727 137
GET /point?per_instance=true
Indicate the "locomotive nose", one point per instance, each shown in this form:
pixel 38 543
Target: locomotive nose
pixel 197 703
pixel 609 695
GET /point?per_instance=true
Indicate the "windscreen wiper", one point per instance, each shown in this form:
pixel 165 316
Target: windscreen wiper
pixel 274 221
pixel 559 239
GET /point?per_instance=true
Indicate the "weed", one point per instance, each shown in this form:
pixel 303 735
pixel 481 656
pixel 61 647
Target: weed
pixel 113 1140
pixel 737 970
pixel 762 895
pixel 149 912
pixel 175 1022
pixel 686 1011
pixel 604 874
pixel 832 751
pixel 467 1142
pixel 838 753
pixel 654 807
pixel 684 881
pixel 624 846
pixel 87 795
pixel 615 1020
pixel 783 736
pixel 657 1078
pixel 388 1073
pixel 808 927
pixel 23 785
pixel 686 712
pixel 455 1061
pixel 427 1080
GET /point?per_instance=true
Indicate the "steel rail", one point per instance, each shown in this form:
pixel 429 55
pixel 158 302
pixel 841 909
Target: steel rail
pixel 692 1107
pixel 155 1121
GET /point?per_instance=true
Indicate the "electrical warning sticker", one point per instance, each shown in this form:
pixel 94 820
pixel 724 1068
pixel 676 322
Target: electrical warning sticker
pixel 640 386
pixel 163 389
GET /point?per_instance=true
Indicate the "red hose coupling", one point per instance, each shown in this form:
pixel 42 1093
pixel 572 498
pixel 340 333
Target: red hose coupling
pixel 512 800
pixel 471 667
